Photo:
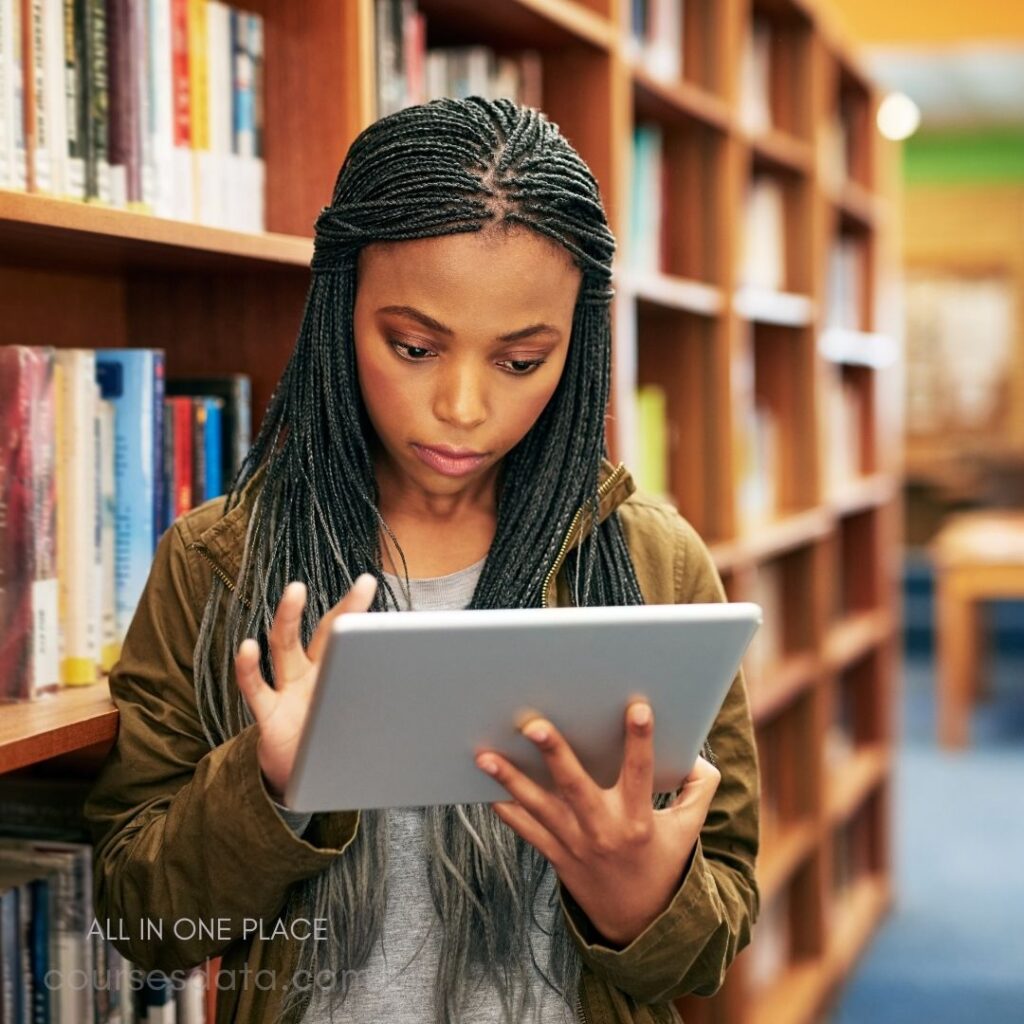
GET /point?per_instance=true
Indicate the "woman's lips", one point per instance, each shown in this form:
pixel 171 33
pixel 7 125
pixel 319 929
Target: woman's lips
pixel 449 465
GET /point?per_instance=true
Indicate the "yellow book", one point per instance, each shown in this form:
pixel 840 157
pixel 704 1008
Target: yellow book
pixel 652 437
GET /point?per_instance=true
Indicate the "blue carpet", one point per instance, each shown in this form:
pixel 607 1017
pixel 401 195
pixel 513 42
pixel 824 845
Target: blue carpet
pixel 953 948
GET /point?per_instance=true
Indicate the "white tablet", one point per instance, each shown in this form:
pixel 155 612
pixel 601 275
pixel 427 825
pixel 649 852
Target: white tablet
pixel 404 702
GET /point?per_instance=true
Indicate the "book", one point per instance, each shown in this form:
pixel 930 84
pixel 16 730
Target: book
pixel 29 601
pixel 235 391
pixel 764 254
pixel 133 380
pixel 653 438
pixel 77 523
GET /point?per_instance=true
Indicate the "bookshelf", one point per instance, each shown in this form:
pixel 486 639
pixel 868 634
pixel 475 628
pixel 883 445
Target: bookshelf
pixel 780 392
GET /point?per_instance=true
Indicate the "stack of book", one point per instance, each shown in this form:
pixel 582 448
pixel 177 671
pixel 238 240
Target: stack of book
pixel 57 961
pixel 408 73
pixel 656 37
pixel 99 462
pixel 149 105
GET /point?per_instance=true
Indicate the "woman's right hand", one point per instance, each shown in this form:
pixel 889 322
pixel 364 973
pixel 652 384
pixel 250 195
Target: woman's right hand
pixel 280 713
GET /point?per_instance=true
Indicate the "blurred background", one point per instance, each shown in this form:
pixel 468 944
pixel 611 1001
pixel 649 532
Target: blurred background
pixel 951 950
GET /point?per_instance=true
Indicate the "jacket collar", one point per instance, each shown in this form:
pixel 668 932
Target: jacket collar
pixel 222 541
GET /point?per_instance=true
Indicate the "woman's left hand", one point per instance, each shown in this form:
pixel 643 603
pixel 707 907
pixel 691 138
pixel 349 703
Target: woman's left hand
pixel 621 859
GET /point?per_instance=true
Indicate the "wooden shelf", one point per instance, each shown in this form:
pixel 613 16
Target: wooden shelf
pixel 38 230
pixel 671 102
pixel 782 152
pixel 779 860
pixel 855 918
pixel 784 309
pixel 675 293
pixel 520 23
pixel 71 719
pixel 856 635
pixel 220 301
pixel 794 998
pixel 782 684
pixel 773 539
pixel 850 784
pixel 864 493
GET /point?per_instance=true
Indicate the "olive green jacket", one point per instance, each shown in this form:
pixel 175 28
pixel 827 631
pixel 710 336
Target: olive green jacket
pixel 185 834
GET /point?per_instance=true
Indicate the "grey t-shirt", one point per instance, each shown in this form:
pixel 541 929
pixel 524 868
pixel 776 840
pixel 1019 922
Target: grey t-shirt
pixel 397 982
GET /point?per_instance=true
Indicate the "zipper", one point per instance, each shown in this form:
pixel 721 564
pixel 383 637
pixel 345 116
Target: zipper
pixel 581 1017
pixel 215 565
pixel 614 477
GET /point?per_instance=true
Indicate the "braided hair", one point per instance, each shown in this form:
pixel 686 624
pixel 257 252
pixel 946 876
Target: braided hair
pixel 430 170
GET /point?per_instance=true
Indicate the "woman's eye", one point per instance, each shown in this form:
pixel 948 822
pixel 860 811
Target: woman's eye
pixel 418 354
pixel 521 367
pixel 414 353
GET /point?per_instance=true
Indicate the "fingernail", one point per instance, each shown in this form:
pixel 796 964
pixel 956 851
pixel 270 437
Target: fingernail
pixel 641 714
pixel 536 731
pixel 488 766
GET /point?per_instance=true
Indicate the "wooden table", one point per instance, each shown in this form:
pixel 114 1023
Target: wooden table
pixel 979 556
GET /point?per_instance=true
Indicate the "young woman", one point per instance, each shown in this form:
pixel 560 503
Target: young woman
pixel 436 440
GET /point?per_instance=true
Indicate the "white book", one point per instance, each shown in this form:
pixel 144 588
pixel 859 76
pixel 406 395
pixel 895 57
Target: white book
pixel 755 77
pixel 191 998
pixel 215 186
pixel 12 125
pixel 256 219
pixel 664 57
pixel 41 156
pixel 56 95
pixel 76 540
pixel 160 107
pixel 764 241
pixel 109 638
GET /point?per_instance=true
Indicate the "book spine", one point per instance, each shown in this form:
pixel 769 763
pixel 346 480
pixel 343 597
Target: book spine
pixel 97 167
pixel 214 447
pixel 15 525
pixel 56 94
pixel 161 46
pixel 45 601
pixel 181 110
pixel 118 100
pixel 255 190
pixel 155 443
pixel 14 99
pixel 110 649
pixel 182 455
pixel 76 490
pixel 198 451
pixel 200 105
pixel 134 88
pixel 74 100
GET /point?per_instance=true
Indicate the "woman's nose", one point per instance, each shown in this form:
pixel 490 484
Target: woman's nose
pixel 460 399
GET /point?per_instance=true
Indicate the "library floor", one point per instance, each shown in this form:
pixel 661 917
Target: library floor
pixel 953 948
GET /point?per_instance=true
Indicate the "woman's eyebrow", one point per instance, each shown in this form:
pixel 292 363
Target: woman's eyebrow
pixel 434 325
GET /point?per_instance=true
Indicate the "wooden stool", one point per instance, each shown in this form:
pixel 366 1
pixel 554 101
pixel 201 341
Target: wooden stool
pixel 978 556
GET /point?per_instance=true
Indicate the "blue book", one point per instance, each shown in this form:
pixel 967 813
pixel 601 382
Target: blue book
pixel 133 379
pixel 213 443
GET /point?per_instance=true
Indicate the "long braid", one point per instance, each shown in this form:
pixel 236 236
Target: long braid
pixel 445 167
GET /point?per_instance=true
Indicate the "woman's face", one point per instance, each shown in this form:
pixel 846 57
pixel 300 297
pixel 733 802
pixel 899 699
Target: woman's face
pixel 460 343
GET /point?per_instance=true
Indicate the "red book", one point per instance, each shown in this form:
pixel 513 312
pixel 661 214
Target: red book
pixel 179 68
pixel 29 641
pixel 181 414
